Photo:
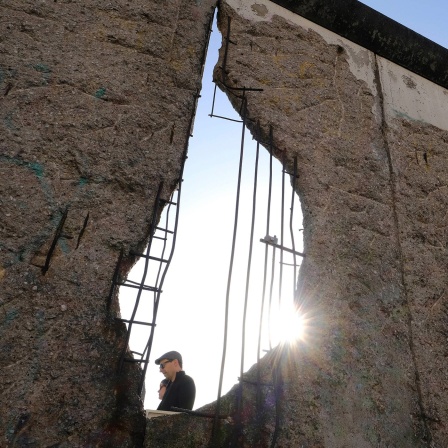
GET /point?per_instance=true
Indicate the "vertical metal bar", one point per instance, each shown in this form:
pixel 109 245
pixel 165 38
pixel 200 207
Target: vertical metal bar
pixel 246 294
pixel 278 386
pixel 291 215
pixel 229 278
pixel 213 102
pixel 282 225
pixel 270 297
pixel 266 249
pixel 249 261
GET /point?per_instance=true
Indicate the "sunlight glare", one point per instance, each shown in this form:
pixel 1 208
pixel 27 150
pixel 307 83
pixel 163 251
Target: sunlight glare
pixel 288 325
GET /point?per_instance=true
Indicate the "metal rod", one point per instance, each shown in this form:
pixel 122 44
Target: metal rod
pixel 55 241
pixel 86 220
pixel 285 249
pixel 278 383
pixel 137 286
pixel 133 360
pixel 291 215
pixel 248 272
pixel 282 226
pixel 159 238
pixel 149 257
pixel 164 230
pixel 225 118
pixel 213 102
pixel 270 297
pixel 245 89
pixel 132 281
pixel 265 268
pixel 170 202
pixel 291 174
pixel 133 321
pixel 229 280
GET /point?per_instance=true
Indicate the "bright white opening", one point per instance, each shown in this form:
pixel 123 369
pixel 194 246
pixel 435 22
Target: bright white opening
pixel 288 324
pixel 191 312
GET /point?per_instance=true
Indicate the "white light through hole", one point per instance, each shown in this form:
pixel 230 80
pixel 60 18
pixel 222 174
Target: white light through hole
pixel 288 324
pixel 191 314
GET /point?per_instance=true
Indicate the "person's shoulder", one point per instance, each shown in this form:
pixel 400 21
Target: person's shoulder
pixel 189 378
pixel 184 377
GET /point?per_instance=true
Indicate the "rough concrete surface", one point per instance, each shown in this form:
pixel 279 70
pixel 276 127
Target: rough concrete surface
pixel 96 102
pixel 419 158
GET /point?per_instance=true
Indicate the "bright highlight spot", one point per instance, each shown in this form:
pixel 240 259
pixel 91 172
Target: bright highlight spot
pixel 288 325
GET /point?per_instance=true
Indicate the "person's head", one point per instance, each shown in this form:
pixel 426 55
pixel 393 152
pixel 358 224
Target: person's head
pixel 162 388
pixel 170 363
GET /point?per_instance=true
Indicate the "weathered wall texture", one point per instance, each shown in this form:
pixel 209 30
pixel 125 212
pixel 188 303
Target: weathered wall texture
pixel 96 100
pixel 371 140
pixel 95 105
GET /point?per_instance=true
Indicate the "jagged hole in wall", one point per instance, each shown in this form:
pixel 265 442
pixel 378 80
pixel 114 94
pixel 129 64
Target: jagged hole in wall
pixel 192 305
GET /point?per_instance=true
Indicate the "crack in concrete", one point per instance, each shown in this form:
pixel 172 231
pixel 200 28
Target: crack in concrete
pixel 338 94
pixel 422 414
pixel 358 195
pixel 175 29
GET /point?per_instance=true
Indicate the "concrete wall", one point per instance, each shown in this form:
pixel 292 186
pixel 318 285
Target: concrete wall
pixel 95 106
pixel 95 111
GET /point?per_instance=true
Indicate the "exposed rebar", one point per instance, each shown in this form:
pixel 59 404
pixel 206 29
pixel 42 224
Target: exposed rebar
pixel 56 237
pixel 291 215
pixel 229 280
pixel 246 297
